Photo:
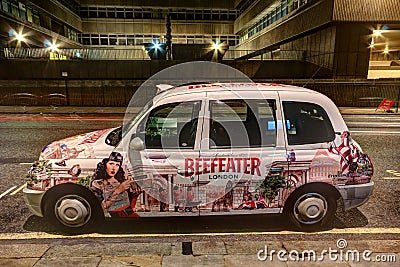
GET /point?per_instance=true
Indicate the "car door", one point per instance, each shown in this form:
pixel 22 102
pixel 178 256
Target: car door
pixel 241 142
pixel 170 137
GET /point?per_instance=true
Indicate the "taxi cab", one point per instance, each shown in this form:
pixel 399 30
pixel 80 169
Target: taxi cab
pixel 207 150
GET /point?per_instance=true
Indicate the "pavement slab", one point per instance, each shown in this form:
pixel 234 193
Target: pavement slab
pixel 110 249
pixel 148 261
pixel 385 259
pixel 389 246
pixel 69 262
pixel 209 248
pixel 176 248
pixel 319 246
pixel 23 251
pixel 193 261
pixel 324 263
pixel 251 248
pixel 25 262
pixel 247 260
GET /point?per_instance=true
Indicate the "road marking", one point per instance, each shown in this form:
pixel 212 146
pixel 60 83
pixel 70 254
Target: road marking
pixel 373 132
pixel 395 173
pixel 42 235
pixel 19 189
pixel 25 163
pixel 8 191
pixel 391 178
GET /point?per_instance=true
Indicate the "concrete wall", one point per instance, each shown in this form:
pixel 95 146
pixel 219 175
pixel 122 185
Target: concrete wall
pixel 112 83
pixel 156 27
pixel 383 11
pixel 58 11
pixel 358 93
pixel 351 50
pixel 140 69
pixel 300 23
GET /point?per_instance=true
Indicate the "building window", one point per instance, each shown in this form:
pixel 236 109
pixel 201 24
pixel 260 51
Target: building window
pixel 111 12
pixel 102 13
pixel 92 12
pixel 129 13
pixel 113 40
pixel 104 41
pixel 278 9
pixel 29 14
pixel 120 13
pixel 5 6
pixel 14 9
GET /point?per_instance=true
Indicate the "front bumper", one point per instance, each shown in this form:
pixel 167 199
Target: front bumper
pixel 355 195
pixel 33 198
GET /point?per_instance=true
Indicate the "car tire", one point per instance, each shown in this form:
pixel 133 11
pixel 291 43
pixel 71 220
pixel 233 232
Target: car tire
pixel 311 207
pixel 72 208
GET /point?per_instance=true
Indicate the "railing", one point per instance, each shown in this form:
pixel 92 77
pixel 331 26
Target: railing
pixel 76 54
pixel 136 53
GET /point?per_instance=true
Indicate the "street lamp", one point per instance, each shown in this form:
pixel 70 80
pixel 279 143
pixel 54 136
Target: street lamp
pixel 156 50
pixel 17 36
pixel 216 46
pixel 218 49
pixel 50 45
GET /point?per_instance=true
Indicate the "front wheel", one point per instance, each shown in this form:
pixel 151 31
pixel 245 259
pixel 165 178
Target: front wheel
pixel 311 207
pixel 72 208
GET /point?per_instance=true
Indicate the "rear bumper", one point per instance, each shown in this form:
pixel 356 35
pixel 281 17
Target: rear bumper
pixel 355 195
pixel 33 198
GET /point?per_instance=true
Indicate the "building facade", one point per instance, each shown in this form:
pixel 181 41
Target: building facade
pixel 333 38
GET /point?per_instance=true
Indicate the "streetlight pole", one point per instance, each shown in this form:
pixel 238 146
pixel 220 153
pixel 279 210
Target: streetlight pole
pixel 168 37
pixel 65 75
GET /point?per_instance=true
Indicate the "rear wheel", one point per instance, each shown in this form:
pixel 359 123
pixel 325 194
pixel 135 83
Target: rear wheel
pixel 311 207
pixel 72 208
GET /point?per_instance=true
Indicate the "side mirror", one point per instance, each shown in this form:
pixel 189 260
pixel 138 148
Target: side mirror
pixel 136 144
pixel 114 137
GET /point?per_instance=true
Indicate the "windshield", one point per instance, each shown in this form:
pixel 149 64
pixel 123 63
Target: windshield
pixel 130 122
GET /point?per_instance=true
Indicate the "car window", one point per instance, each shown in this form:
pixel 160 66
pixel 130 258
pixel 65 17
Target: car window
pixel 242 123
pixel 307 123
pixel 172 125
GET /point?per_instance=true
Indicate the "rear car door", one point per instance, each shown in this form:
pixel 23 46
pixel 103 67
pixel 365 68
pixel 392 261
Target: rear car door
pixel 241 141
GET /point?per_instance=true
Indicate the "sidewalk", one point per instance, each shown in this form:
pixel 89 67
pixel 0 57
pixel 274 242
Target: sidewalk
pixel 207 253
pixel 121 110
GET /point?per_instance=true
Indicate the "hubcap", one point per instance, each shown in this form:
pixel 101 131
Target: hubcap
pixel 73 211
pixel 310 208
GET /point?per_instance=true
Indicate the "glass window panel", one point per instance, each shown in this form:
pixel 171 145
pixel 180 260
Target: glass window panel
pixel 129 14
pixel 5 6
pixel 102 13
pixel 307 123
pixel 242 123
pixel 111 12
pixel 172 125
pixel 14 10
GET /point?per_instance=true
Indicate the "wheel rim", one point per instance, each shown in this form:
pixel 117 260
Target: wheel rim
pixel 73 211
pixel 310 208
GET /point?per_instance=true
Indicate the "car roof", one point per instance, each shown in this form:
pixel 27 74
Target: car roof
pixel 235 87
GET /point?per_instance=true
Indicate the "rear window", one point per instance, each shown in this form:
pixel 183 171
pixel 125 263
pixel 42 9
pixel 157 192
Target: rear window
pixel 307 123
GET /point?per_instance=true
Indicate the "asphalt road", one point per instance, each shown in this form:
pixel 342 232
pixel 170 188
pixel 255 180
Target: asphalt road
pixel 23 136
